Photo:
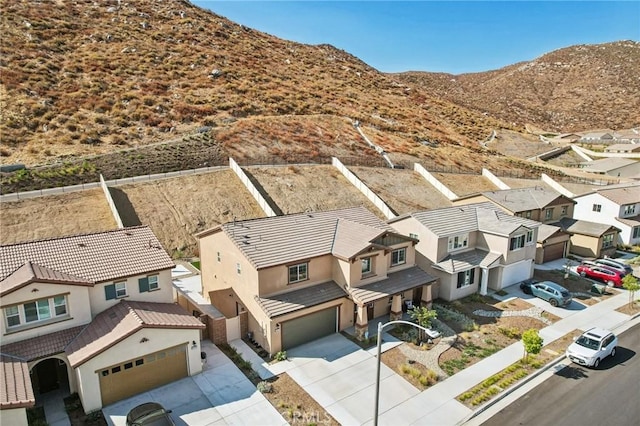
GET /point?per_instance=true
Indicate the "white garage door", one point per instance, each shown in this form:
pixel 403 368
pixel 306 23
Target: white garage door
pixel 515 273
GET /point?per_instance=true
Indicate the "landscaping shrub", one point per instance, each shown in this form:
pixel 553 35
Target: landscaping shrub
pixel 265 387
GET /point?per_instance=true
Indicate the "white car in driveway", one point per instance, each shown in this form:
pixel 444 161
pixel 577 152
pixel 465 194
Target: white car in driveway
pixel 592 346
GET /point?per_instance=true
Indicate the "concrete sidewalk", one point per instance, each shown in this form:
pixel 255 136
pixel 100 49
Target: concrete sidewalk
pixel 341 376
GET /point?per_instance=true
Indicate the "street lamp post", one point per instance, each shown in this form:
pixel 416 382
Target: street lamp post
pixel 380 327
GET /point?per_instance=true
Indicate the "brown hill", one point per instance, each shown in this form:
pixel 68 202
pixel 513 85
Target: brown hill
pixel 84 77
pixel 573 89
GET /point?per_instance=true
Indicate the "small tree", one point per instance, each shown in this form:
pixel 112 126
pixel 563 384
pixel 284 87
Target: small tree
pixel 630 283
pixel 423 317
pixel 532 343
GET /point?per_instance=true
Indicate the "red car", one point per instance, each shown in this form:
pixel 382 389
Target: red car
pixel 609 276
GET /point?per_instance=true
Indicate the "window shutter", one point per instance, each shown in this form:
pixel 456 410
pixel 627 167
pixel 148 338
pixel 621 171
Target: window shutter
pixel 143 284
pixel 110 291
pixel 472 278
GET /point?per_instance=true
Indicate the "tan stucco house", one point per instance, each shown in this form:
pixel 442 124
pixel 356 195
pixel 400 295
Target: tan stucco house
pixel 471 248
pixel 93 313
pixel 539 203
pixel 304 276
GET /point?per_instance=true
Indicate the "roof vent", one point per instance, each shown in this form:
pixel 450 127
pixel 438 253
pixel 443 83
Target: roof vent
pixel 82 245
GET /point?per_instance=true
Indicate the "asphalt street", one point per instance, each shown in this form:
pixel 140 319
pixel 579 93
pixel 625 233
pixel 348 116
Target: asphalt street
pixel 577 395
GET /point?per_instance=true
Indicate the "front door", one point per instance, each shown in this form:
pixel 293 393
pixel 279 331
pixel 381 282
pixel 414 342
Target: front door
pixel 47 372
pixel 369 311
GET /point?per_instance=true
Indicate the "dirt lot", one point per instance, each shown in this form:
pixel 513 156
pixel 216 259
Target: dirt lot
pixel 55 216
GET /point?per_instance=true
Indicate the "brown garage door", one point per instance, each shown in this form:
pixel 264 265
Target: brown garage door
pixel 141 374
pixel 553 252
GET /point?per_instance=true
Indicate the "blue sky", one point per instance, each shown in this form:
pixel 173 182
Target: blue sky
pixel 438 36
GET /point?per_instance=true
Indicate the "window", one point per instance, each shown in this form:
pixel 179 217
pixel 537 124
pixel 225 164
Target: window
pixel 607 241
pixel 238 268
pixel 597 208
pixel 548 214
pixel 399 256
pixel 635 232
pixel 115 290
pixel 366 265
pixel 529 238
pixel 38 310
pixel 563 211
pixel 466 278
pixel 153 282
pixel 527 214
pixel 517 242
pixel 60 305
pixel 629 209
pixel 415 236
pixel 297 273
pixel 218 256
pixel 13 316
pixel 458 241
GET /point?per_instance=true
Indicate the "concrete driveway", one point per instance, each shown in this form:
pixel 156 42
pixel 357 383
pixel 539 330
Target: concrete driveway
pixel 341 376
pixel 220 395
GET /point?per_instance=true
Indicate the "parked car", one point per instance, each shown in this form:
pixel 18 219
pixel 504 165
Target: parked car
pixel 525 285
pixel 149 414
pixel 592 346
pixel 622 267
pixel 609 276
pixel 553 293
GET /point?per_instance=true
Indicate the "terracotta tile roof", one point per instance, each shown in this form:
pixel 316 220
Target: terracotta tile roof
pixel 395 283
pixel 462 261
pixel 96 257
pixel 15 384
pixel 276 240
pixel 42 346
pixel 122 320
pixel 296 300
pixel 32 272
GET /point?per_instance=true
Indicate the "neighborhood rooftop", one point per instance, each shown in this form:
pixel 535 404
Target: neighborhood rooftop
pixel 274 240
pixel 485 217
pixel 96 257
pixel 522 199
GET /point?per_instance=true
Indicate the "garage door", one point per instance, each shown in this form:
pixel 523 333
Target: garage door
pixel 310 327
pixel 141 374
pixel 553 252
pixel 515 273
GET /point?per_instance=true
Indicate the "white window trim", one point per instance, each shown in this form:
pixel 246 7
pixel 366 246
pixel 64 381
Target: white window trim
pixel 404 256
pixel 463 242
pixel 522 237
pixel 121 289
pixel 297 266
pixel 22 316
pixel 154 282
pixel 369 262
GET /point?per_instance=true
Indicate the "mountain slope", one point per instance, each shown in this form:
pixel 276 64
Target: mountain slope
pixel 84 77
pixel 572 89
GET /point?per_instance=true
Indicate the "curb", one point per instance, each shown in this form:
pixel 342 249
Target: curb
pixel 528 379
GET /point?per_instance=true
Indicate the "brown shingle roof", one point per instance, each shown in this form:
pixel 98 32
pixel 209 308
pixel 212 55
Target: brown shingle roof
pixel 395 283
pixel 122 320
pixel 42 346
pixel 32 272
pixel 276 240
pixel 296 300
pixel 96 257
pixel 15 384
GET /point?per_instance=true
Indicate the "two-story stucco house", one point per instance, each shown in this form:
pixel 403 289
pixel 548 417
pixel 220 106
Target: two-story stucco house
pixel 93 314
pixel 617 205
pixel 471 248
pixel 304 276
pixel 559 233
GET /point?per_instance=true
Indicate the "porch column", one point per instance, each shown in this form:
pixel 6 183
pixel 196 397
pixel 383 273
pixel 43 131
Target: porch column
pixel 362 322
pixel 396 308
pixel 484 280
pixel 427 296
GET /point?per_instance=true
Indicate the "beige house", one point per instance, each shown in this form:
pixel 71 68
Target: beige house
pixel 304 276
pixel 591 239
pixel 541 204
pixel 473 247
pixel 93 314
